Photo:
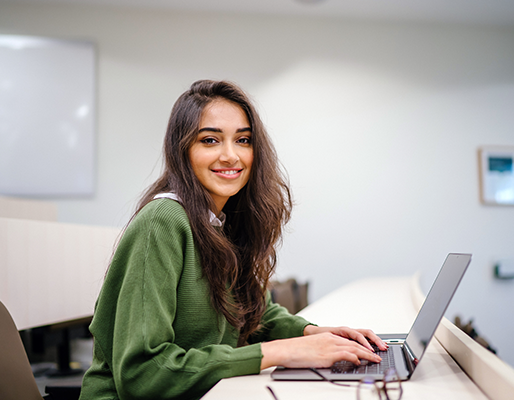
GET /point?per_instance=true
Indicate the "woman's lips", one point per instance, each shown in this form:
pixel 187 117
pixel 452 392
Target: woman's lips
pixel 228 173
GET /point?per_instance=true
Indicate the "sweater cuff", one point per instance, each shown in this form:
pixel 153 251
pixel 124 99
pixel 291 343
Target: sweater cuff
pixel 299 325
pixel 246 360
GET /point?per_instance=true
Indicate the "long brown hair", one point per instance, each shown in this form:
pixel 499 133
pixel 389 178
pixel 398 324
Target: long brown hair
pixel 243 254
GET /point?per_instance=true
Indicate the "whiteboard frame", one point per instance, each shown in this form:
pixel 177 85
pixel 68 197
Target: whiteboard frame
pixel 47 117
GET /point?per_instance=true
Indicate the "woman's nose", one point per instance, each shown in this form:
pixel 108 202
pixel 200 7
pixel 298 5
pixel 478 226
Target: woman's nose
pixel 228 154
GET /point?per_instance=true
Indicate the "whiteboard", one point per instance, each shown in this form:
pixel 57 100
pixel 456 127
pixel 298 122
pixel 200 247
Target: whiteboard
pixel 47 116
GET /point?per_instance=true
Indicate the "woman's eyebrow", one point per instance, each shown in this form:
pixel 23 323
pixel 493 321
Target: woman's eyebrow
pixel 209 129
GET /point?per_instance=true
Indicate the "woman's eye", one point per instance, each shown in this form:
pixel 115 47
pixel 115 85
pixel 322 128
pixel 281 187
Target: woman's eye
pixel 208 140
pixel 245 140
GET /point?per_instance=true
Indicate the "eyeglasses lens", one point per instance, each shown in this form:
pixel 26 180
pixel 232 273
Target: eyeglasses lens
pixel 392 385
pixel 368 390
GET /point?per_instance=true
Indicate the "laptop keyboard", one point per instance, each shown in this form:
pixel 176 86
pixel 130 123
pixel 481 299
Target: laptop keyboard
pixel 366 367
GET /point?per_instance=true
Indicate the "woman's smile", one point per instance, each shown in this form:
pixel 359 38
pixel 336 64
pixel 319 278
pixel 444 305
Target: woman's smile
pixel 228 173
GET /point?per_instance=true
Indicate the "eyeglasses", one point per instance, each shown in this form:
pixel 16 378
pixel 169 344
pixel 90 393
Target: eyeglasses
pixel 368 388
pixel 391 387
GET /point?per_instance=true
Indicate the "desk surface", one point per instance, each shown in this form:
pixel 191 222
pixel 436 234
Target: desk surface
pixel 386 307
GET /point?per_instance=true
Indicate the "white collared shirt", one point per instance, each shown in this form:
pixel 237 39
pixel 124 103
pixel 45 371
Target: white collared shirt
pixel 215 221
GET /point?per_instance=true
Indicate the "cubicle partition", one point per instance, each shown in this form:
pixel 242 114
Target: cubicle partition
pixel 52 272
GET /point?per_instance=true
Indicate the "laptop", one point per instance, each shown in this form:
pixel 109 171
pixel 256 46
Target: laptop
pixel 405 350
pixel 16 376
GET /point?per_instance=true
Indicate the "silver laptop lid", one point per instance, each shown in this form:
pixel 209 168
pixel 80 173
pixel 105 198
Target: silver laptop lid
pixel 435 305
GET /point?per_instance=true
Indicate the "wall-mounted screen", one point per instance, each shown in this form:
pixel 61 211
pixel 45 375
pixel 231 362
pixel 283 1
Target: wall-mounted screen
pixel 497 175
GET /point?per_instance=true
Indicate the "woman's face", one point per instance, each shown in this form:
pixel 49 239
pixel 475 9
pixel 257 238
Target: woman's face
pixel 222 154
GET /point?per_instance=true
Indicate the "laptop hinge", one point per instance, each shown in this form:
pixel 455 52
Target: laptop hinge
pixel 409 358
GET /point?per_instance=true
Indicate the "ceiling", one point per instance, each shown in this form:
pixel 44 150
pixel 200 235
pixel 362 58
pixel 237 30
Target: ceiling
pixel 488 12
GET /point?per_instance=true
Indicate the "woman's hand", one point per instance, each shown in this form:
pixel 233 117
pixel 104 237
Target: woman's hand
pixel 359 335
pixel 319 350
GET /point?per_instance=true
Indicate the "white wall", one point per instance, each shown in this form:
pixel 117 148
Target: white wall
pixel 377 124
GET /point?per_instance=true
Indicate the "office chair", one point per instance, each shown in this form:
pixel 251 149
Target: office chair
pixel 16 378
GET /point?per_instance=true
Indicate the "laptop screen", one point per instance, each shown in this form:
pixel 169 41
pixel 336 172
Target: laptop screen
pixel 436 303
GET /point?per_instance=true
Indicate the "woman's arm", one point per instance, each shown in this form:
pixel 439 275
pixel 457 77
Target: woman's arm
pixel 278 323
pixel 321 347
pixel 283 343
pixel 362 336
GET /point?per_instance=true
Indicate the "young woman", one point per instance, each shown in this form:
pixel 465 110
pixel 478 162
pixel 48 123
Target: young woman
pixel 184 303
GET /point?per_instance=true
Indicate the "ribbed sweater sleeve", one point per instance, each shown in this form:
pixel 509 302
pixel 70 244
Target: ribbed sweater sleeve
pixel 156 333
pixel 278 323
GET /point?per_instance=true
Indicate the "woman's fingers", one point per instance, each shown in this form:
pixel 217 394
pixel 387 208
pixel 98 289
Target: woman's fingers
pixel 371 336
pixel 364 354
pixel 359 336
pixel 356 352
pixel 352 352
pixel 362 336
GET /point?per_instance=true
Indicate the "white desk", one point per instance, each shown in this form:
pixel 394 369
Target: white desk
pixel 387 307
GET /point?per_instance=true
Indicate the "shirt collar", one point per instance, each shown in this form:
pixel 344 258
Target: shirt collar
pixel 215 221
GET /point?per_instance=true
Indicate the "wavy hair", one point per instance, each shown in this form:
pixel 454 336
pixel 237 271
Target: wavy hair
pixel 239 260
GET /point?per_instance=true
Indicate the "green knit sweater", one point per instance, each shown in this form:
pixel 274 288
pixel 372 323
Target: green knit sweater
pixel 156 334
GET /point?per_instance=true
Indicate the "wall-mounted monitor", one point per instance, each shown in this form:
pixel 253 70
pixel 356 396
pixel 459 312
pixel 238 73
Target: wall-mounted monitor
pixel 497 175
